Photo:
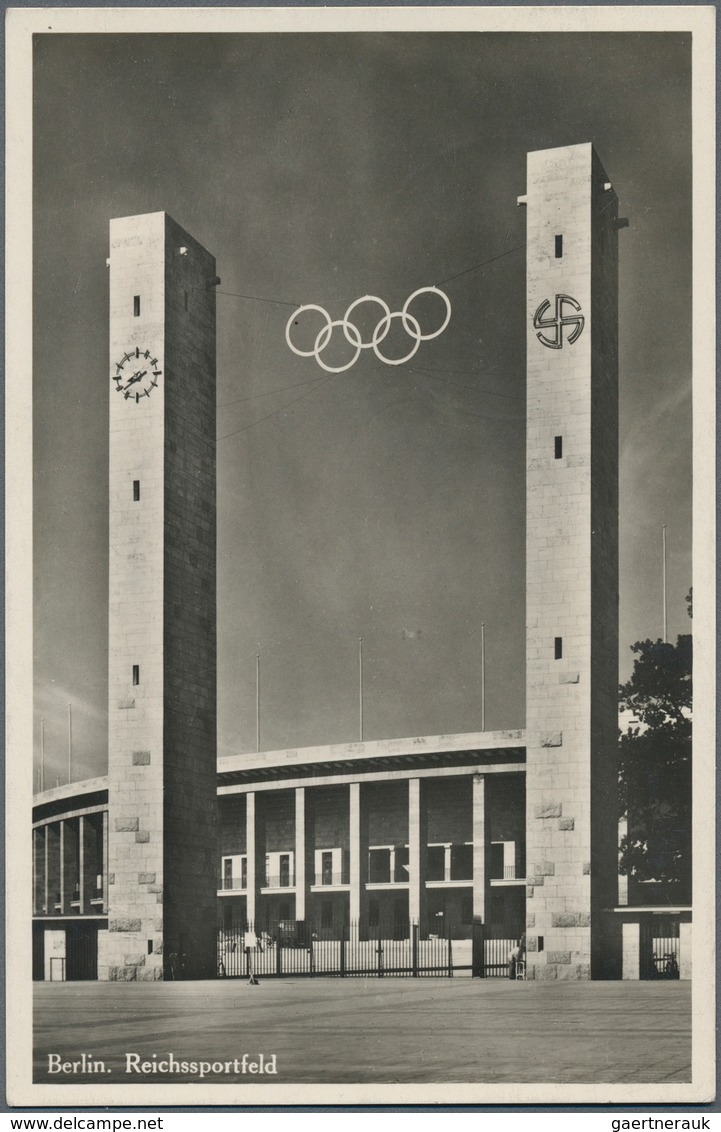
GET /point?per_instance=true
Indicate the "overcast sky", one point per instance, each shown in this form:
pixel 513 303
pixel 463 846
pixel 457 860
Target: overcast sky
pixel 384 502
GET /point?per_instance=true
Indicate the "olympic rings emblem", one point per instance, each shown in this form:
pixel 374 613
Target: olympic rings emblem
pixel 353 335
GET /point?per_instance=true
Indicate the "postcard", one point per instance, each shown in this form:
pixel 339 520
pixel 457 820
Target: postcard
pixel 361 477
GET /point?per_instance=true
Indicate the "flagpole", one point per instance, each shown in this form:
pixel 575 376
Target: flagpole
pixel 483 676
pixel 360 687
pixel 665 619
pixel 70 742
pixel 257 701
pixel 42 755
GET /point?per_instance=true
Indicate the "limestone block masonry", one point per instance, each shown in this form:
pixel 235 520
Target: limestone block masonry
pixel 162 609
pixel 572 562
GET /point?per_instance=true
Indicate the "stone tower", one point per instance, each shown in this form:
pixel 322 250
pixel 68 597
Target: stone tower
pixel 162 858
pixel 572 563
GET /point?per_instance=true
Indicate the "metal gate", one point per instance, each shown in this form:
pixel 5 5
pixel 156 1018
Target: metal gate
pixel 297 949
pixel 660 948
pixel 495 957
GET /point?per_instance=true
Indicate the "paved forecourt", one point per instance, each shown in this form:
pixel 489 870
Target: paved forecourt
pixel 366 1031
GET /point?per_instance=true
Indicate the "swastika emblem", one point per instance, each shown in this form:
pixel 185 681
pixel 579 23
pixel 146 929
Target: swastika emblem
pixel 558 321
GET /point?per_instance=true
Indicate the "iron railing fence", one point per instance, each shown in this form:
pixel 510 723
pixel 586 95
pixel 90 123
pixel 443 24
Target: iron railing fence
pixel 495 955
pixel 660 948
pixel 299 948
pixel 665 951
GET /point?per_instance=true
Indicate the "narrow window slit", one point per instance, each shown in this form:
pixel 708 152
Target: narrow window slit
pixel 136 490
pixel 136 305
pixel 558 647
pixel 136 674
pixel 559 247
pixel 558 447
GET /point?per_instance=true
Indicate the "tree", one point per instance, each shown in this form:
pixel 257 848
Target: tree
pixel 655 765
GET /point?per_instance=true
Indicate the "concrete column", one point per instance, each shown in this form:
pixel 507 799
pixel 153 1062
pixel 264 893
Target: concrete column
pixel 61 878
pixel 358 844
pixel 622 880
pixel 90 862
pixel 355 849
pixel 480 863
pixel 684 947
pixel 81 863
pixel 36 871
pixel 417 853
pixel 251 855
pixel 631 945
pixel 300 877
pixel 71 879
pixel 53 867
pixel 104 863
pixel 46 905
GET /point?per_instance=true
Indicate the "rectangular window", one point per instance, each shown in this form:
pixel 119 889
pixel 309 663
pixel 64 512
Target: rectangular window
pixel 558 446
pixel 400 863
pixel 496 863
pixel 461 862
pixel 284 870
pixel 326 914
pixel 558 647
pixel 559 247
pixel 379 866
pixel 150 947
pixel 136 305
pixel 136 674
pixel 435 862
pixel 136 490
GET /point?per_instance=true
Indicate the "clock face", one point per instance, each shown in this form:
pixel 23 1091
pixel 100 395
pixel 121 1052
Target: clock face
pixel 136 374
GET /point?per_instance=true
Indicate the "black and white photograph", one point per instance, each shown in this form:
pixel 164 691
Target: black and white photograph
pixel 360 556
